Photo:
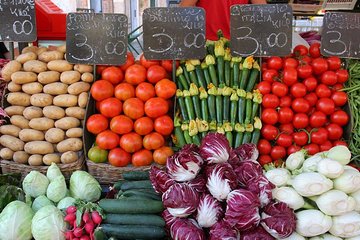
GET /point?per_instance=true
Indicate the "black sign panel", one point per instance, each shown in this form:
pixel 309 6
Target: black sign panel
pixel 95 38
pixel 174 33
pixel 17 20
pixel 341 35
pixel 261 30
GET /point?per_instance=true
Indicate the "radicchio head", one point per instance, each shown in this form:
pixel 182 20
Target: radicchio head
pixel 257 233
pixel 242 210
pixel 247 170
pixel 222 231
pixel 263 187
pixel 160 180
pixel 185 229
pixel 278 219
pixel 215 148
pixel 209 211
pixel 247 152
pixel 221 180
pixel 168 218
pixel 181 200
pixel 198 183
pixel 185 164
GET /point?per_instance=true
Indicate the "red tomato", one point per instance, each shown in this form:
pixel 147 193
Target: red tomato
pixel 314 50
pixel 305 60
pixel 102 89
pixel 312 148
pixel 168 65
pixel 274 63
pixel 300 138
pixel 143 126
pixel 269 116
pixel 342 75
pixel 325 146
pixel 107 140
pixel 339 98
pixel 289 76
pixel 100 68
pixel 334 63
pixel 285 115
pixel 148 63
pixel 131 142
pixel 160 155
pixel 278 152
pixel 124 91
pixel 298 90
pixel 143 157
pixel 264 87
pixel 119 158
pixel 155 73
pixel 311 98
pixel 290 62
pixel 300 120
pixel 130 60
pixel 165 88
pixel 337 87
pixel 279 89
pixel 338 143
pixel 326 105
pixel 135 74
pixel 340 117
pixel 300 50
pixel 97 123
pixel 270 101
pixel 133 108
pixel 319 65
pixel 285 101
pixel 110 107
pixel 310 83
pixel 121 124
pixel 284 140
pixel 286 128
pixel 144 91
pixel 153 141
pixel 264 159
pixel 264 147
pixel 113 74
pixel 319 136
pixel 269 132
pixel 323 91
pixel 304 71
pixel 270 75
pixel 317 119
pixel 164 125
pixel 300 105
pixel 335 131
pixel 292 149
pixel 156 107
pixel 329 78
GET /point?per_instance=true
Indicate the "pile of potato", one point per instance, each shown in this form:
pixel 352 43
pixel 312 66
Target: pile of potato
pixel 47 97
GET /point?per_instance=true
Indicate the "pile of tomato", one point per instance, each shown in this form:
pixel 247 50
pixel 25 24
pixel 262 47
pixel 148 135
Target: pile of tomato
pixel 133 122
pixel 302 103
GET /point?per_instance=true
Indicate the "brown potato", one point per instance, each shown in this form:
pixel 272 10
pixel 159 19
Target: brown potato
pixel 41 124
pixel 74 133
pixel 59 65
pixel 70 77
pixel 41 100
pixel 56 88
pixel 78 87
pixel 24 57
pixel 53 112
pixel 10 68
pixel 19 99
pixel 82 68
pixel 29 135
pixel 6 153
pixel 51 158
pixel 48 77
pixel 21 77
pixel 65 100
pixel 32 88
pixel 38 147
pixel 19 121
pixel 14 110
pixel 69 157
pixel 87 77
pixel 76 112
pixel 32 112
pixel 35 160
pixel 61 48
pixel 67 123
pixel 54 135
pixel 12 143
pixel 70 144
pixel 13 87
pixel 50 56
pixel 30 49
pixel 35 66
pixel 40 50
pixel 21 157
pixel 83 99
pixel 11 130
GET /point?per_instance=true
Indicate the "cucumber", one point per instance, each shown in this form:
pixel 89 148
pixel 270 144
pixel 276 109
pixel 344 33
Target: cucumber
pixel 149 195
pixel 131 206
pixel 136 185
pixel 133 231
pixel 99 235
pixel 135 219
pixel 118 184
pixel 136 175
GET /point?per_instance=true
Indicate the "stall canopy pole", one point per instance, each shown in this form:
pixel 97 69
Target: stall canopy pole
pixel 11 50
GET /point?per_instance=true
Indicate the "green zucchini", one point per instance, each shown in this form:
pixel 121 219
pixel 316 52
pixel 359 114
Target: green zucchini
pixel 148 195
pixel 119 183
pixel 136 185
pixel 136 175
pixel 131 206
pixel 135 219
pixel 133 231
pixel 99 235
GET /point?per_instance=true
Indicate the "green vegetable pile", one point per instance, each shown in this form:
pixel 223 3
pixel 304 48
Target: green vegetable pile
pixel 216 95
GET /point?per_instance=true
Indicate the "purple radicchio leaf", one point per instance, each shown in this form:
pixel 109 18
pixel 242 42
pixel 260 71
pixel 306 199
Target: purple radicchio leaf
pixel 234 160
pixel 221 180
pixel 257 233
pixel 215 148
pixel 186 229
pixel 278 219
pixel 247 170
pixel 222 231
pixel 168 218
pixel 242 210
pixel 247 152
pixel 184 165
pixel 181 200
pixel 263 187
pixel 198 183
pixel 209 211
pixel 160 180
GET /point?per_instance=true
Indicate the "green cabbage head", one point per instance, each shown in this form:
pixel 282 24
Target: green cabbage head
pixel 84 186
pixel 35 184
pixel 40 202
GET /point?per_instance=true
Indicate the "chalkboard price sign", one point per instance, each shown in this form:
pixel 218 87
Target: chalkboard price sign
pixel 95 38
pixel 261 30
pixel 340 35
pixel 17 20
pixel 174 33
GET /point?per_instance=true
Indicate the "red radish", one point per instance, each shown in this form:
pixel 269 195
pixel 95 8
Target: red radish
pixel 96 217
pixel 86 217
pixel 71 209
pixel 85 237
pixel 76 239
pixel 69 235
pixel 70 218
pixel 89 227
pixel 78 232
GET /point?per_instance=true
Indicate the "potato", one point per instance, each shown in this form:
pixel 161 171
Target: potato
pixel 30 49
pixel 76 112
pixel 29 135
pixel 50 56
pixel 78 87
pixel 69 157
pixel 10 130
pixel 41 124
pixel 82 68
pixel 70 144
pixel 70 77
pixel 41 100
pixel 67 123
pixel 54 135
pixel 51 158
pixel 24 57
pixel 53 112
pixel 32 88
pixel 35 66
pixel 48 77
pixel 74 133
pixel 11 142
pixel 56 88
pixel 19 121
pixel 65 100
pixel 14 110
pixel 21 157
pixel 87 77
pixel 22 77
pixel 6 153
pixel 35 160
pixel 59 65
pixel 61 48
pixel 41 50
pixel 13 87
pixel 38 147
pixel 18 98
pixel 10 68
pixel 83 99
pixel 32 112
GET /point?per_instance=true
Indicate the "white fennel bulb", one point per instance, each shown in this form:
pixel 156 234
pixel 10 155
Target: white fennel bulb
pixel 295 160
pixel 356 196
pixel 340 154
pixel 348 182
pixel 289 196
pixel 311 223
pixel 330 168
pixel 310 184
pixel 278 176
pixel 335 202
pixel 346 225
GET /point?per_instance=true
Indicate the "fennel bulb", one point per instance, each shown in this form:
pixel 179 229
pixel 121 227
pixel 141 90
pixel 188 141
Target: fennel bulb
pixel 295 160
pixel 340 153
pixel 289 196
pixel 330 168
pixel 310 184
pixel 348 182
pixel 346 225
pixel 310 164
pixel 335 202
pixel 325 237
pixel 311 223
pixel 278 176
pixel 356 196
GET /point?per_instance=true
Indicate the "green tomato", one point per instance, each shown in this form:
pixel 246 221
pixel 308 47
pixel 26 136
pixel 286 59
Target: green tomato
pixel 97 154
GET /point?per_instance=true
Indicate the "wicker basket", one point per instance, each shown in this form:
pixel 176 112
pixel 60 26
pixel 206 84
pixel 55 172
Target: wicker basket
pixel 66 169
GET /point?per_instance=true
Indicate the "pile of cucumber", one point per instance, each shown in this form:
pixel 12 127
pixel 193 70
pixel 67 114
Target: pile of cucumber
pixel 135 213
